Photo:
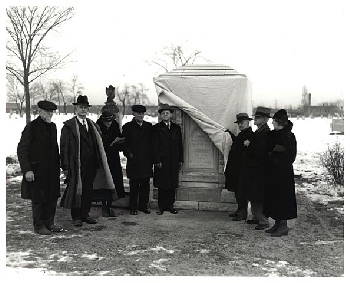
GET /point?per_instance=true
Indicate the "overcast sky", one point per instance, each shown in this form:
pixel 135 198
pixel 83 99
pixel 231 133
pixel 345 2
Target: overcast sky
pixel 280 45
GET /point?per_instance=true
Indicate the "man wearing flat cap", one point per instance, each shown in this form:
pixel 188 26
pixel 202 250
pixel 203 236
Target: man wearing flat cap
pixel 83 161
pixel 255 164
pixel 168 159
pixel 112 143
pixel 138 151
pixel 39 159
pixel 235 164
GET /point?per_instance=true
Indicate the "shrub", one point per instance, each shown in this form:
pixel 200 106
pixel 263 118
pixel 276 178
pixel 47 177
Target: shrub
pixel 333 161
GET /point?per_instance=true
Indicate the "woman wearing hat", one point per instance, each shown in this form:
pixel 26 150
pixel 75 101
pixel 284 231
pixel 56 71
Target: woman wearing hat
pixel 280 201
pixel 112 143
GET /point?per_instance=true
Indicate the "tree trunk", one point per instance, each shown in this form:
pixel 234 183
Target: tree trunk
pixel 27 95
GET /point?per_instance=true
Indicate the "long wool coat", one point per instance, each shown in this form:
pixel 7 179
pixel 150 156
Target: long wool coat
pixel 234 164
pixel 255 159
pixel 69 152
pixel 280 200
pixel 138 141
pixel 169 151
pixel 37 151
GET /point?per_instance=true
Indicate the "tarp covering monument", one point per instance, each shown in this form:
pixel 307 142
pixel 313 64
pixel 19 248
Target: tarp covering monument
pixel 206 99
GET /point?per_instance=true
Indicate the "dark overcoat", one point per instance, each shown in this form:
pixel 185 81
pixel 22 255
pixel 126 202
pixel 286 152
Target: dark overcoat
pixel 37 151
pixel 234 164
pixel 138 141
pixel 280 201
pixel 108 136
pixel 169 151
pixel 69 148
pixel 255 160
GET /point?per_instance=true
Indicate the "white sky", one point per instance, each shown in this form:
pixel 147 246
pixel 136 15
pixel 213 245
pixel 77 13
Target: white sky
pixel 280 45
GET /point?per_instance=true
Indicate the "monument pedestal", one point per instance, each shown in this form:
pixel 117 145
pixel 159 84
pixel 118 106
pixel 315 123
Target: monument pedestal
pixel 202 180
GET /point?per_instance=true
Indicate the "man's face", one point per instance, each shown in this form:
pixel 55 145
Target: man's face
pixel 46 115
pixel 259 120
pixel 82 111
pixel 166 115
pixel 138 116
pixel 242 125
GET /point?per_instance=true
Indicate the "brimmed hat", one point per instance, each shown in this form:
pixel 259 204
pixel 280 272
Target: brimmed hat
pixel 281 115
pixel 47 105
pixel 138 108
pixel 82 100
pixel 164 107
pixel 262 111
pixel 242 116
pixel 107 116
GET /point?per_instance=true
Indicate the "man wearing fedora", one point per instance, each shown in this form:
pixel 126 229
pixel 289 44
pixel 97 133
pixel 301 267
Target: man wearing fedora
pixel 112 143
pixel 82 156
pixel 138 151
pixel 234 166
pixel 254 171
pixel 168 159
pixel 39 159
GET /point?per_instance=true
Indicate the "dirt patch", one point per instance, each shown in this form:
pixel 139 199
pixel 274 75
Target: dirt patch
pixel 190 243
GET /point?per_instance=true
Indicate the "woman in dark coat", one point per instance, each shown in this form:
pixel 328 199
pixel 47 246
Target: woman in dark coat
pixel 113 143
pixel 280 201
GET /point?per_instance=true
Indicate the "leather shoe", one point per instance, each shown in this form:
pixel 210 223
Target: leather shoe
pixel 77 223
pixel 43 231
pixel 160 212
pixel 239 218
pixel 55 228
pixel 133 212
pixel 173 211
pixel 252 221
pixel 147 211
pixel 261 226
pixel 89 220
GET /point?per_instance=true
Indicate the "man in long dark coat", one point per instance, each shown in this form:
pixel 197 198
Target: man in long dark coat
pixel 168 159
pixel 233 170
pixel 112 143
pixel 39 159
pixel 84 163
pixel 138 151
pixel 254 170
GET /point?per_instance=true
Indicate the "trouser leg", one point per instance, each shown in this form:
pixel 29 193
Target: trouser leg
pixel 37 211
pixel 144 193
pixel 170 198
pixel 49 213
pixel 134 192
pixel 242 202
pixel 117 175
pixel 161 199
pixel 88 177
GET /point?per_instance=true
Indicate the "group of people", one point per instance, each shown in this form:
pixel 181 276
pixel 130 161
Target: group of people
pixel 259 170
pixel 89 158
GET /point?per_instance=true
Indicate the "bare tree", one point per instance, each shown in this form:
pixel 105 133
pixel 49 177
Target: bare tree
pixel 121 94
pixel 174 56
pixel 13 93
pixel 37 91
pixel 75 87
pixel 28 57
pixel 304 96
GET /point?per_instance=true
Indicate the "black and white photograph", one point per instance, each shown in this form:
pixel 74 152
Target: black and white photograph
pixel 196 140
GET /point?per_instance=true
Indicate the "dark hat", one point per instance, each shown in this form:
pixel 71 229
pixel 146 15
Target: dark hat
pixel 138 108
pixel 242 116
pixel 82 100
pixel 281 115
pixel 47 105
pixel 262 111
pixel 107 116
pixel 164 107
pixel 110 87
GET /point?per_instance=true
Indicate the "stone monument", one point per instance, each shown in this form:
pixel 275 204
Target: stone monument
pixel 111 106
